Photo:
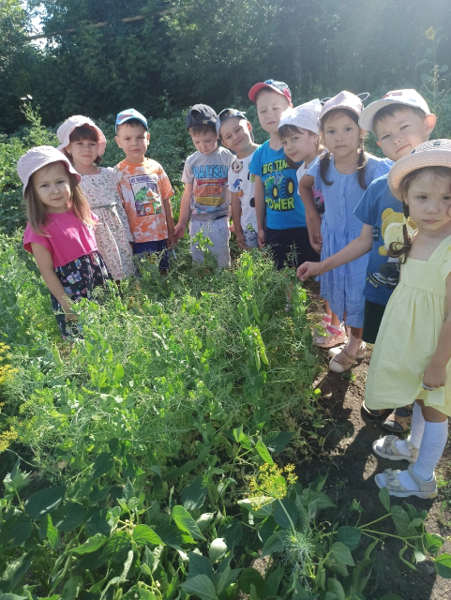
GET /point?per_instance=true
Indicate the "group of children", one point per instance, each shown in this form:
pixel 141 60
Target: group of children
pixel 313 196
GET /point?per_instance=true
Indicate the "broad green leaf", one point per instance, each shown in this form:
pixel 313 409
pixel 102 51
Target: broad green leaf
pixel 350 536
pixel 251 576
pixel 175 473
pixel 185 522
pixel 228 576
pixel 15 531
pixel 117 546
pixel 273 544
pixel 143 534
pixel 232 531
pixel 69 516
pixel 263 451
pixel 217 549
pixel 401 520
pixel 320 500
pixel 199 565
pixel 432 542
pixel 341 554
pixel 443 565
pixel 72 587
pixel 16 570
pixel 16 480
pixel 174 537
pixel 285 513
pixel 103 463
pixel 13 597
pixel 118 373
pixel 272 581
pixel 334 586
pixel 278 441
pixel 201 586
pixel 44 501
pixel 99 523
pixel 384 497
pixel 193 496
pixel 49 531
pixel 92 544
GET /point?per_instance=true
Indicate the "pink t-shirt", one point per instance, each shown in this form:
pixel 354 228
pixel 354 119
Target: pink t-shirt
pixel 68 237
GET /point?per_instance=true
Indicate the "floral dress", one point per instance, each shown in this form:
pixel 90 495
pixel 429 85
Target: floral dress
pixel 113 232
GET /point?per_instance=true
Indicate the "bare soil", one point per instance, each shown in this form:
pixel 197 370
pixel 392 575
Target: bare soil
pixel 350 464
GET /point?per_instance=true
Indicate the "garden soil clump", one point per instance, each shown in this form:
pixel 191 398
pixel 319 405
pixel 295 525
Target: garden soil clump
pixel 348 461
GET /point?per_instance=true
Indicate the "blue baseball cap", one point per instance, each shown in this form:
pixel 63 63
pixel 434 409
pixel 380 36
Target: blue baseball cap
pixel 126 115
pixel 225 115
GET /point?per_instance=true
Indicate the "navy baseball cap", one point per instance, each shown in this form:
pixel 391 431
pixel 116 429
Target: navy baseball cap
pixel 201 114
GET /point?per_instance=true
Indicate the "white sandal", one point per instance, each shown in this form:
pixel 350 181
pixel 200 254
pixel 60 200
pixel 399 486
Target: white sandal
pixel 427 489
pixel 389 450
pixel 343 361
pixel 333 336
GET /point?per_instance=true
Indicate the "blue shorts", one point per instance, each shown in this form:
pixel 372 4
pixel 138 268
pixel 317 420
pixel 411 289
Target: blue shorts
pixel 148 248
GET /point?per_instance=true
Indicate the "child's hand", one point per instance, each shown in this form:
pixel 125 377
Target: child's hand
pixel 172 240
pixel 314 231
pixel 434 376
pixel 308 269
pixel 179 230
pixel 70 316
pixel 240 241
pixel 261 239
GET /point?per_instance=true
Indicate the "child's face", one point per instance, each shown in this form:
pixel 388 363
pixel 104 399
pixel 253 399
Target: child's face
pixel 84 152
pixel 400 133
pixel 205 142
pixel 301 145
pixel 270 106
pixel 429 201
pixel 52 186
pixel 133 140
pixel 236 135
pixel 341 134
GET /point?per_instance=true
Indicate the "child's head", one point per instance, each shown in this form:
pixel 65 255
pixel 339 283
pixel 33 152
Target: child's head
pixel 401 120
pixel 234 131
pixel 422 182
pixel 50 185
pixel 300 133
pixel 81 140
pixel 201 125
pixel 271 99
pixel 132 135
pixel 342 136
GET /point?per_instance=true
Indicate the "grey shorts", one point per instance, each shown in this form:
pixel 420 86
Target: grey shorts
pixel 218 232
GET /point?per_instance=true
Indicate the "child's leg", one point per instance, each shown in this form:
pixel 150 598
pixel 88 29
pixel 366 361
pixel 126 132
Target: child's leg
pixel 217 231
pixel 419 478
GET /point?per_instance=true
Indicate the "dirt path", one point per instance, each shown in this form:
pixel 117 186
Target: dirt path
pixel 351 466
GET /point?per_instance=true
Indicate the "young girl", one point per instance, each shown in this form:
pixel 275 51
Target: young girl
pixel 301 140
pixel 411 358
pixel 84 143
pixel 60 232
pixel 342 174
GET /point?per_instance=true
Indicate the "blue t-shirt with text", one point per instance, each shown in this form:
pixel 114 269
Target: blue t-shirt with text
pixel 379 208
pixel 284 208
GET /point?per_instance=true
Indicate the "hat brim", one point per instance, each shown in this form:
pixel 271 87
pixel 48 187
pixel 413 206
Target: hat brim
pixel 414 162
pixel 339 107
pixel 261 86
pixel 367 117
pixel 101 143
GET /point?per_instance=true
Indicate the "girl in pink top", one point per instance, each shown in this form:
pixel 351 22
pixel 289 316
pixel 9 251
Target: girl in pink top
pixel 60 232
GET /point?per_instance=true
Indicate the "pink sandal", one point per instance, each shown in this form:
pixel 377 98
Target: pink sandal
pixel 333 336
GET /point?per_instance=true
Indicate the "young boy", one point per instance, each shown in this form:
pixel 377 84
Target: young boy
pixel 206 200
pixel 401 120
pixel 276 192
pixel 145 189
pixel 235 132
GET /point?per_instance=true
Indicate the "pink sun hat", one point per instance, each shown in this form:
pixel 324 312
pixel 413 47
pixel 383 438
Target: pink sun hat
pixel 346 100
pixel 39 157
pixel 72 123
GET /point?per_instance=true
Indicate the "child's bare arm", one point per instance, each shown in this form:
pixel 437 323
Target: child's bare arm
pixel 45 265
pixel 260 209
pixel 169 220
pixel 435 373
pixel 236 218
pixel 311 214
pixel 179 230
pixel 355 249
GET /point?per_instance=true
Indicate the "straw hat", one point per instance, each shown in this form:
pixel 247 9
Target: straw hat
pixel 435 153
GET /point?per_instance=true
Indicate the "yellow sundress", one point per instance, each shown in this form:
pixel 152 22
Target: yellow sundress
pixel 408 336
